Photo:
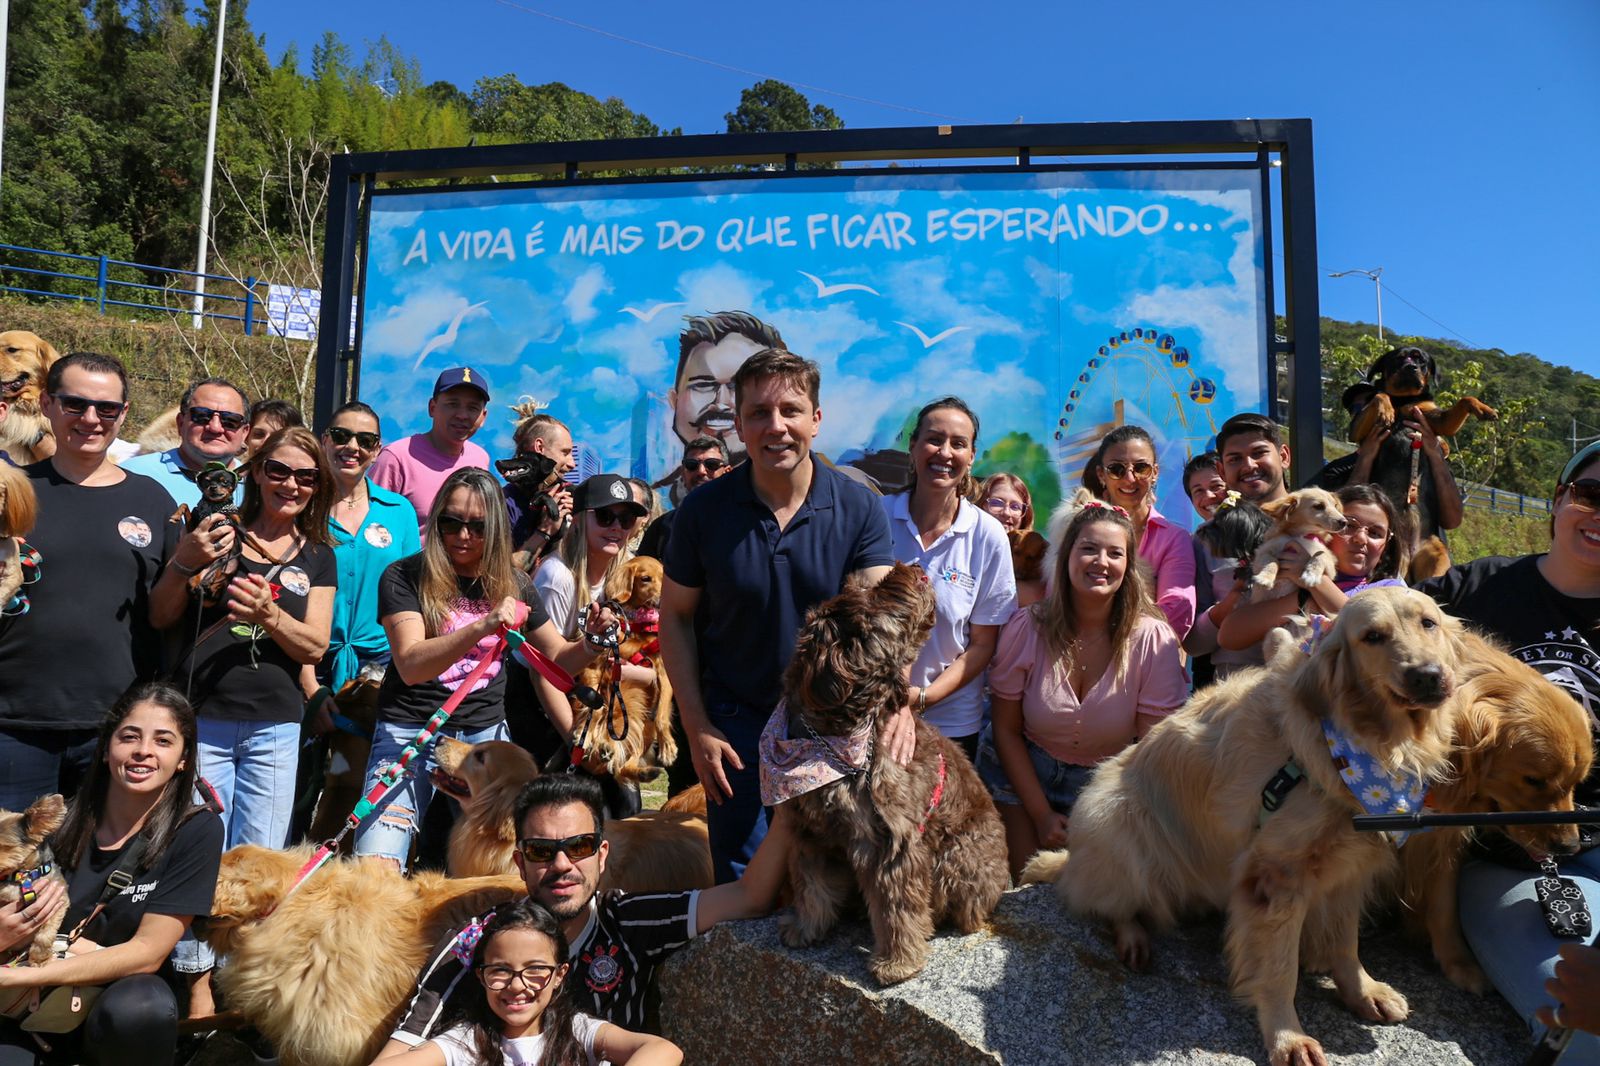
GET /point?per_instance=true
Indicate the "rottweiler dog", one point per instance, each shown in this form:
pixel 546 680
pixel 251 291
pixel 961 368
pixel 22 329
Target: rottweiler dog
pixel 1402 378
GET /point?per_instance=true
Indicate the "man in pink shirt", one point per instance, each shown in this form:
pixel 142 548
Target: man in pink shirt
pixel 417 465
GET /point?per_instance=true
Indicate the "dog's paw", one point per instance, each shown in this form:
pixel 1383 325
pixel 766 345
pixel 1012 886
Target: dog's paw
pixel 1385 408
pixel 1133 946
pixel 1467 976
pixel 793 933
pixel 1482 410
pixel 667 749
pixel 1296 1049
pixel 892 971
pixel 1377 1002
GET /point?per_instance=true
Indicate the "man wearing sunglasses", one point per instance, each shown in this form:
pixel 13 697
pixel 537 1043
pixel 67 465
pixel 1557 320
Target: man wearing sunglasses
pixel 617 939
pixel 417 465
pixel 103 536
pixel 704 459
pixel 212 423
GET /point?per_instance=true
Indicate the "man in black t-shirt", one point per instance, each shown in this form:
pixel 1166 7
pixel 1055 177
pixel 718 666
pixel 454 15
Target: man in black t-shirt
pixel 103 537
pixel 704 459
pixel 617 940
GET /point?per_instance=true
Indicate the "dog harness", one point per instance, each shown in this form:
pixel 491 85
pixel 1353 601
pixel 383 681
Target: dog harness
pixel 28 560
pixel 933 800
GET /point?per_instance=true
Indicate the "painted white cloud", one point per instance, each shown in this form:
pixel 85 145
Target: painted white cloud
pixel 580 298
pixel 1225 315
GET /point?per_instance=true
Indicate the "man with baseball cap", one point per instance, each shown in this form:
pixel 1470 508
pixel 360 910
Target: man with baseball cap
pixel 417 465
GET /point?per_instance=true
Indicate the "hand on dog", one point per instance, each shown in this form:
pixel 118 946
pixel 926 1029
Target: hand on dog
pixel 250 600
pixel 322 721
pixel 1576 990
pixel 563 497
pixel 1051 830
pixel 205 544
pixel 1367 453
pixel 899 735
pixel 19 922
pixel 708 747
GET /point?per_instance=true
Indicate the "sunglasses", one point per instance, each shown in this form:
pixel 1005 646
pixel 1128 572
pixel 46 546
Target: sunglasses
pixel 1584 493
pixel 77 406
pixel 1141 469
pixel 711 465
pixel 625 519
pixel 995 503
pixel 533 978
pixel 341 436
pixel 543 850
pixel 450 525
pixel 231 421
pixel 305 476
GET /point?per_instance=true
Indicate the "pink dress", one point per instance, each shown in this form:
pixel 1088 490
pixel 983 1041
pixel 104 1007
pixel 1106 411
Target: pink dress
pixel 1169 552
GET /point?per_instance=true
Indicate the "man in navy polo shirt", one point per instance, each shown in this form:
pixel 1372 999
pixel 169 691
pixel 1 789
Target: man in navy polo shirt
pixel 759 546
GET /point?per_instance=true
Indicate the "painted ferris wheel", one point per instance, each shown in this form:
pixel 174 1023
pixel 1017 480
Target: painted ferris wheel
pixel 1140 375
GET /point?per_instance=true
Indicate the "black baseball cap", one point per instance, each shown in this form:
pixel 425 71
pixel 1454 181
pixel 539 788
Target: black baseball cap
pixel 606 490
pixel 462 375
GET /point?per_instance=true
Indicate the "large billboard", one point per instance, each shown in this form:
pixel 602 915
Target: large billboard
pixel 1056 303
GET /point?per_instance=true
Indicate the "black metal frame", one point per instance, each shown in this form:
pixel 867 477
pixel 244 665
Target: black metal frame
pixel 354 180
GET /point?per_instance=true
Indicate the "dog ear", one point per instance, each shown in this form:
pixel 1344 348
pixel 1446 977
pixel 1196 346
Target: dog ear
pixel 1278 510
pixel 1323 680
pixel 44 816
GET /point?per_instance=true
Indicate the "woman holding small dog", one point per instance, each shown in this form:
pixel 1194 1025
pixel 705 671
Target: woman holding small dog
pixel 965 554
pixel 134 818
pixel 1076 678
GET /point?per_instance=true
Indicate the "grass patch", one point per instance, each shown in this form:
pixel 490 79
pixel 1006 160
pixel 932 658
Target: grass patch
pixel 1482 533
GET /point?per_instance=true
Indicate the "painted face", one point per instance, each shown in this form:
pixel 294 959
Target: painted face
pixel 281 477
pixel 561 886
pixel 351 457
pixel 1358 547
pixel 702 403
pixel 522 962
pixel 458 412
pixel 464 514
pixel 777 424
pixel 87 432
pixel 1254 467
pixel 1206 489
pixel 1128 474
pixel 1006 504
pixel 1098 560
pixel 1576 528
pixel 942 450
pixel 146 750
pixel 211 441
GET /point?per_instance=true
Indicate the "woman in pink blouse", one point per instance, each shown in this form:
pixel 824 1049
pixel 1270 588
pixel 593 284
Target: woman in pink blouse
pixel 1076 678
pixel 1123 472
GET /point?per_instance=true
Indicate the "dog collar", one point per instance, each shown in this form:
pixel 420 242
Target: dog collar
pixel 26 878
pixel 645 620
pixel 933 800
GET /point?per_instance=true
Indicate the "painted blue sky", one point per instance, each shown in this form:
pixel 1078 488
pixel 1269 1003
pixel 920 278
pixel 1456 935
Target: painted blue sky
pixel 1456 142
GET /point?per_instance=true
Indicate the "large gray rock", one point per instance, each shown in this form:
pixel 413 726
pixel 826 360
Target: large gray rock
pixel 1040 987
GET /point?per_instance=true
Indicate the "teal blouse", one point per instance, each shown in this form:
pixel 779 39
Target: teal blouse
pixel 389 532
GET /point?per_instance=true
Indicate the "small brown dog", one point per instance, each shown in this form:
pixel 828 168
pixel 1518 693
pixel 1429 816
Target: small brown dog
pixel 348 747
pixel 25 860
pixel 1028 549
pixel 923 843
pixel 25 359
pixel 657 851
pixel 646 718
pixel 19 509
pixel 1305 521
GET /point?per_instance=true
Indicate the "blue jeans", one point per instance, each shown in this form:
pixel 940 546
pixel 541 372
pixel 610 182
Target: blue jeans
pixel 388 830
pixel 1501 918
pixel 37 762
pixel 1061 781
pixel 252 766
pixel 737 825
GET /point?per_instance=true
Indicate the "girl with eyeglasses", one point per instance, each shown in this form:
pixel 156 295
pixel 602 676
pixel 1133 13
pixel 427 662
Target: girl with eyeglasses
pixel 520 1013
pixel 1123 473
pixel 1006 497
pixel 239 658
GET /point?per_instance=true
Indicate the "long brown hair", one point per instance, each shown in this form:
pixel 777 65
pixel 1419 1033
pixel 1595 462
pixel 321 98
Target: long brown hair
pixel 967 488
pixel 561 1047
pixel 439 586
pixel 312 521
pixel 1056 616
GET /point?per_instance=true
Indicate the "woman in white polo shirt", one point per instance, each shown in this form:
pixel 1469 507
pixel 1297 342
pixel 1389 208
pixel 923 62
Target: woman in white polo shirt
pixel 964 552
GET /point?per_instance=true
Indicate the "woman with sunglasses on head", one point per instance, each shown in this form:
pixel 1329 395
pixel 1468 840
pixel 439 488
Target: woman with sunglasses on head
pixel 1006 497
pixel 1546 609
pixel 1123 473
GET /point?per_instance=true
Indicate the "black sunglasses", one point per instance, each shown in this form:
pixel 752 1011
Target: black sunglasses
pixel 625 519
pixel 1141 469
pixel 341 436
pixel 305 476
pixel 108 410
pixel 231 420
pixel 542 849
pixel 711 465
pixel 450 525
pixel 1585 493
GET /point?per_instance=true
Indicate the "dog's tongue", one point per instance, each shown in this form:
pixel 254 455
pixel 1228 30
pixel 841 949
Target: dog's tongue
pixel 646 616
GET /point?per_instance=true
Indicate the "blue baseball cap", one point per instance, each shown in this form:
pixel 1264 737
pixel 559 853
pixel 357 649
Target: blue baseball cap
pixel 1578 462
pixel 462 375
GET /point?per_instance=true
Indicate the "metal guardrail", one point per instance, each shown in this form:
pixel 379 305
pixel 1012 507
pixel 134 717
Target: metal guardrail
pixel 1499 501
pixel 104 290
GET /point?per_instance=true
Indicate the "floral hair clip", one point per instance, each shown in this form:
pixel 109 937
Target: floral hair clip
pixel 1102 505
pixel 1230 500
pixel 467 940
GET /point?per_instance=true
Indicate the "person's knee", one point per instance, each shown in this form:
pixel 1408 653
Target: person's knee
pixel 139 1011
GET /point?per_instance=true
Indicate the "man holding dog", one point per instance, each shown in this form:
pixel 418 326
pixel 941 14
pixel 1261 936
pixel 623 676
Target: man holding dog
pixel 617 940
pixel 211 429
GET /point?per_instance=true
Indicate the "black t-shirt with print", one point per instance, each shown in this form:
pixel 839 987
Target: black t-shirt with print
pixel 238 671
pixel 181 882
pixel 485 706
pixel 87 635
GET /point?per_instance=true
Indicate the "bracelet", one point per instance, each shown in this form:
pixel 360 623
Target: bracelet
pixel 186 571
pixel 922 702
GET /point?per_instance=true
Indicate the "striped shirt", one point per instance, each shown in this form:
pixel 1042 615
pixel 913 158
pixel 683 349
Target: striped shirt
pixel 611 963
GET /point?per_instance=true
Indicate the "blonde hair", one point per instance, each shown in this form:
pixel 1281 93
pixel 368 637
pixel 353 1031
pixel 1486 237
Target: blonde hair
pixel 574 554
pixel 1055 615
pixel 19 506
pixel 440 587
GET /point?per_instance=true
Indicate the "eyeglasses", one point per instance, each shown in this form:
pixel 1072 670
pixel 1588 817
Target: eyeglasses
pixel 533 977
pixel 1141 469
pixel 543 850
pixel 450 525
pixel 995 503
pixel 305 476
pixel 231 421
pixel 341 436
pixel 1584 493
pixel 711 465
pixel 77 406
pixel 625 519
pixel 1356 529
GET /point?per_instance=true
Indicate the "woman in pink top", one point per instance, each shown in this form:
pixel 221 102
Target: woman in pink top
pixel 1076 678
pixel 1123 472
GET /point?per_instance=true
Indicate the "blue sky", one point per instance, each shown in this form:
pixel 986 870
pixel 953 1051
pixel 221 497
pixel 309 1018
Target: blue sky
pixel 1457 144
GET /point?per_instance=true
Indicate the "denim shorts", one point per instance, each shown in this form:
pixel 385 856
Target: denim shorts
pixel 1061 781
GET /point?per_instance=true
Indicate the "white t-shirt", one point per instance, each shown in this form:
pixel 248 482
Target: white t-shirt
pixel 970 568
pixel 557 591
pixel 461 1050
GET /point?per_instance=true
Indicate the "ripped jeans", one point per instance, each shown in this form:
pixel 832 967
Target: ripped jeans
pixel 388 830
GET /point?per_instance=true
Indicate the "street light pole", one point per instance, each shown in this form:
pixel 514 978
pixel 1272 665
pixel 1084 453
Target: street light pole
pixel 1377 287
pixel 205 185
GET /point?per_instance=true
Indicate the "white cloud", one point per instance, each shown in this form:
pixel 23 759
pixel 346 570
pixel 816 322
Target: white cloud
pixel 580 298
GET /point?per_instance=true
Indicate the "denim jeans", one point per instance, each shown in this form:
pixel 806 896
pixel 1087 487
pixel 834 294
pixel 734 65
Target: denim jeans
pixel 37 762
pixel 252 767
pixel 1060 781
pixel 388 830
pixel 738 824
pixel 1501 918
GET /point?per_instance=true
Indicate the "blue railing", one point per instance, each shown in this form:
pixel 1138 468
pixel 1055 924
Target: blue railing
pixel 242 302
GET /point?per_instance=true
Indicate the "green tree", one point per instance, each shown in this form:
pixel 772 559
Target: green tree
pixel 1020 454
pixel 770 106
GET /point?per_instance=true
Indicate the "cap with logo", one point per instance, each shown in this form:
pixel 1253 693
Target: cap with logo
pixel 462 375
pixel 606 490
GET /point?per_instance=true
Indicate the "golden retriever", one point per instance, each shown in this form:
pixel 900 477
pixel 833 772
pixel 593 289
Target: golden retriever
pixel 657 851
pixel 25 359
pixel 324 971
pixel 19 509
pixel 161 433
pixel 1177 823
pixel 1298 543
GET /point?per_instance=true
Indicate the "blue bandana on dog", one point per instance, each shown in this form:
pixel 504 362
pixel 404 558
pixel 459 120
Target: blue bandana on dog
pixel 1378 791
